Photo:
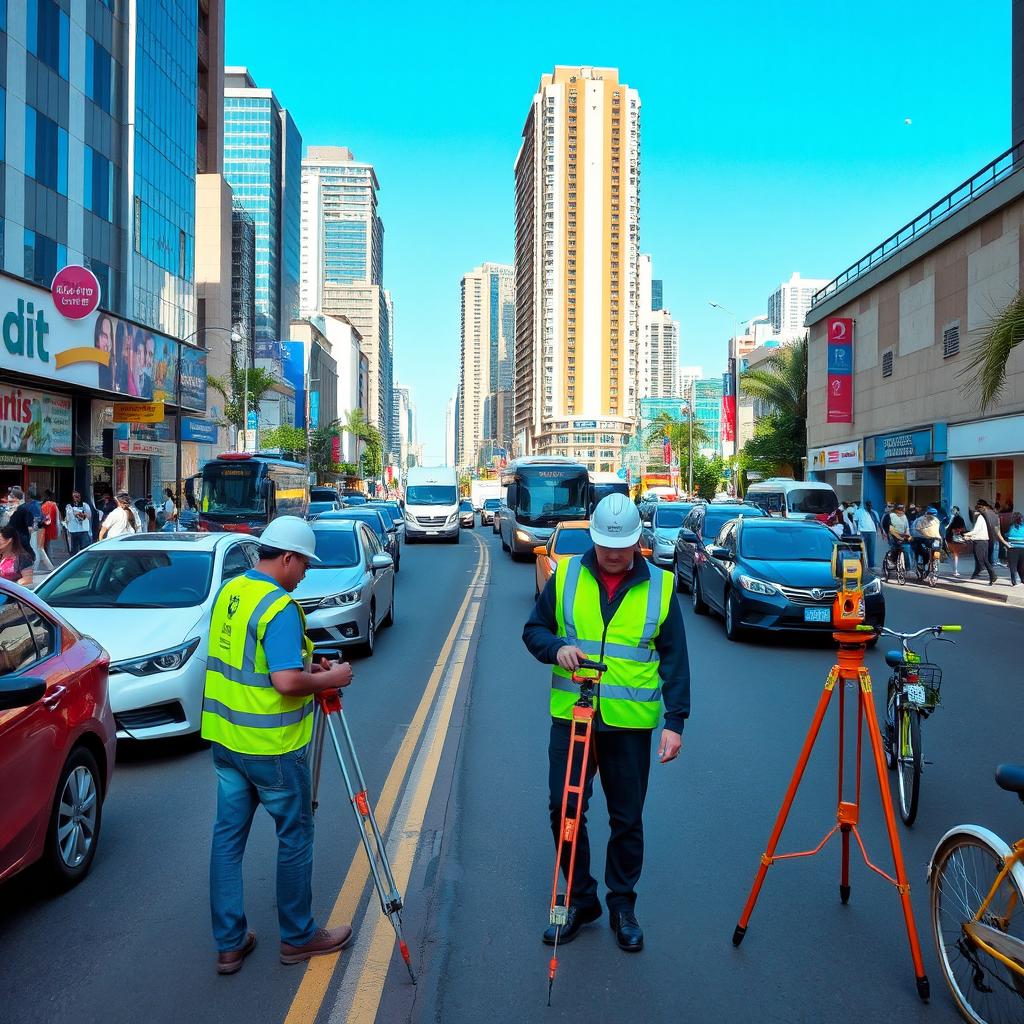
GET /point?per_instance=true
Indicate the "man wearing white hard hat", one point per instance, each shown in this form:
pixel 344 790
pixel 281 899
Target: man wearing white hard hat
pixel 258 715
pixel 613 606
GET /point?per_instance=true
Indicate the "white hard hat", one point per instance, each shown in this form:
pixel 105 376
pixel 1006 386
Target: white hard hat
pixel 290 533
pixel 615 522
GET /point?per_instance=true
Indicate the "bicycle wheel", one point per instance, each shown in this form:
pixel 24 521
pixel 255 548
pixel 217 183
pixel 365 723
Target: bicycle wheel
pixel 985 990
pixel 908 739
pixel 901 569
pixel 889 734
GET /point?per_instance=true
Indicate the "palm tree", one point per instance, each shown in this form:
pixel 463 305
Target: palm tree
pixel 985 372
pixel 356 424
pixel 233 387
pixel 679 436
pixel 780 382
pixel 373 456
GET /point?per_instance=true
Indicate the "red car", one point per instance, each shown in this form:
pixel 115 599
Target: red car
pixel 57 740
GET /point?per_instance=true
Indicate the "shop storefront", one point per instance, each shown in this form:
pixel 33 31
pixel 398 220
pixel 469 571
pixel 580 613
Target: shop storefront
pixel 987 461
pixel 35 440
pixel 906 466
pixel 841 465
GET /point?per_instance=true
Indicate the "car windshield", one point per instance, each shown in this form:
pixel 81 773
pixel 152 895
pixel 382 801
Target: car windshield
pixel 320 506
pixel 670 517
pixel 431 494
pixel 573 542
pixel 465 505
pixel 336 548
pixel 813 501
pixel 781 544
pixel 355 499
pixel 322 494
pixel 130 578
pixel 490 503
pixel 716 517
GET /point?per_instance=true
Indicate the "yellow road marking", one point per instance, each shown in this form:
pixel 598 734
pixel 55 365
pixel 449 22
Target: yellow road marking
pixel 319 971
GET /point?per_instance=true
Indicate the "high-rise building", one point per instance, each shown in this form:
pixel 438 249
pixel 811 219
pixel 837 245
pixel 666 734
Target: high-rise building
pixel 658 370
pixel 488 326
pixel 262 162
pixel 342 265
pixel 577 185
pixel 688 375
pixel 708 411
pixel 243 270
pixel 788 304
pixel 657 294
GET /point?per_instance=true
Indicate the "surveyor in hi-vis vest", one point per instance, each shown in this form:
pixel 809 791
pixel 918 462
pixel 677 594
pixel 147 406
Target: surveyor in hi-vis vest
pixel 258 715
pixel 611 605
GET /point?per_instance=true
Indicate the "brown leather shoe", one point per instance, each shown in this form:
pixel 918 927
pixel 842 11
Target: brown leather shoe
pixel 325 940
pixel 231 961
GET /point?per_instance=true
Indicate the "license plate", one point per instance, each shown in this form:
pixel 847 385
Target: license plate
pixel 431 533
pixel 817 615
pixel 915 693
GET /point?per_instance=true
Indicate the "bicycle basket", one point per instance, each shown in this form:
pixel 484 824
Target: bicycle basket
pixel 926 675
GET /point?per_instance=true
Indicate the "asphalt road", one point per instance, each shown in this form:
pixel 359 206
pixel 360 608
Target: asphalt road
pixel 133 941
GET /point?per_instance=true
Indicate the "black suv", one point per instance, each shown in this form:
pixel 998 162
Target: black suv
pixel 699 527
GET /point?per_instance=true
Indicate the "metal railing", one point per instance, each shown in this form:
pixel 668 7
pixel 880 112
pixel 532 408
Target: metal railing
pixel 1002 167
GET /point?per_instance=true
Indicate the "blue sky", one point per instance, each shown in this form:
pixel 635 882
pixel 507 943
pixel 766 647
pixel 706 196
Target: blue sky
pixel 773 136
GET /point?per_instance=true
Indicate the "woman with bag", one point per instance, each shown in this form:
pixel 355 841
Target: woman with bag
pixel 955 538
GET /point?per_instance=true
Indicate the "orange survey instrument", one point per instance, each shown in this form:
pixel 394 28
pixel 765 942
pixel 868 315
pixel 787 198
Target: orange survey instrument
pixel 328 709
pixel 851 636
pixel 575 784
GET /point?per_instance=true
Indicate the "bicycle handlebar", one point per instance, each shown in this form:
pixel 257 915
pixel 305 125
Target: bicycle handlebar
pixel 884 631
pixel 596 666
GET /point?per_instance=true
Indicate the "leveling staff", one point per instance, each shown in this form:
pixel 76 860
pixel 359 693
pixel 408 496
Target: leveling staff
pixel 612 605
pixel 258 712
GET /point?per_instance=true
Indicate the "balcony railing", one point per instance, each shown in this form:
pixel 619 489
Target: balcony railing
pixel 991 174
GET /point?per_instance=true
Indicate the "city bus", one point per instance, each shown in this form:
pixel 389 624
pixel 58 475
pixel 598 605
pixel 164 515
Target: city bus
pixel 540 491
pixel 243 492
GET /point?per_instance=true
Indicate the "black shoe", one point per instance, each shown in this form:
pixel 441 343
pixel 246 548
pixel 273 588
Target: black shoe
pixel 578 917
pixel 628 932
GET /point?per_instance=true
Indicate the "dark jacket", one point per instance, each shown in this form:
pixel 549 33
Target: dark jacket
pixel 540 634
pixel 22 520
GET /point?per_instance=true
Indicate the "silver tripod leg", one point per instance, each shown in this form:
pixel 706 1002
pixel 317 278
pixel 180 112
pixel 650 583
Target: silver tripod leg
pixel 319 722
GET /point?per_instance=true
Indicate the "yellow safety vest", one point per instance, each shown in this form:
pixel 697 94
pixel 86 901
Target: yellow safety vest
pixel 241 709
pixel 629 694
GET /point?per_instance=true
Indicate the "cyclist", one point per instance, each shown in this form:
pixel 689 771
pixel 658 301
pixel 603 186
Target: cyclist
pixel 925 529
pixel 899 534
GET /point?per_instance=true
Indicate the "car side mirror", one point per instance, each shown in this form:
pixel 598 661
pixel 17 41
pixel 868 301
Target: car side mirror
pixel 646 552
pixel 20 691
pixel 540 549
pixel 687 535
pixel 722 554
pixel 379 562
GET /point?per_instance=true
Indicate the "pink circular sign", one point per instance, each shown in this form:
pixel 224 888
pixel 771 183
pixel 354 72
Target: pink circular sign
pixel 76 292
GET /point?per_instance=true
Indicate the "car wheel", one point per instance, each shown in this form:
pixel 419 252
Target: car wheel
pixel 457 539
pixel 74 821
pixel 681 586
pixel 732 616
pixel 370 644
pixel 398 563
pixel 389 619
pixel 699 604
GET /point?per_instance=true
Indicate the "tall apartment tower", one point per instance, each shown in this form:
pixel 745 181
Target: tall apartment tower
pixel 342 265
pixel 658 373
pixel 577 181
pixel 788 304
pixel 488 330
pixel 262 161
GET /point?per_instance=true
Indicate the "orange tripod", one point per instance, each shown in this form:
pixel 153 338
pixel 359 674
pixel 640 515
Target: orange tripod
pixel 575 784
pixel 851 636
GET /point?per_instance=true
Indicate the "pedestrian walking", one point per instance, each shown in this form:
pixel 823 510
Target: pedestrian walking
pixel 123 519
pixel 865 525
pixel 258 715
pixel 955 540
pixel 77 523
pixel 611 603
pixel 1015 548
pixel 19 516
pixel 152 526
pixel 16 559
pixel 35 508
pixel 169 509
pixel 982 535
pixel 51 521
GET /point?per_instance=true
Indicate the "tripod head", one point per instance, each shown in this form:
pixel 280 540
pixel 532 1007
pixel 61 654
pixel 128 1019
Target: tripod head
pixel 594 670
pixel 848 607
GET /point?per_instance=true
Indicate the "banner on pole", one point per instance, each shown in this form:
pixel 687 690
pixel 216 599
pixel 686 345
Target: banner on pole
pixel 727 429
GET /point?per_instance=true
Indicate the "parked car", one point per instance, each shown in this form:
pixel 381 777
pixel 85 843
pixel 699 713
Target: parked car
pixel 147 599
pixel 487 512
pixel 568 539
pixel 316 507
pixel 702 524
pixel 393 509
pixel 467 514
pixel 379 521
pixel 57 742
pixel 350 498
pixel 775 575
pixel 661 528
pixel 352 591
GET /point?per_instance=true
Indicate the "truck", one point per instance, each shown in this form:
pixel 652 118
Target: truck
pixel 481 490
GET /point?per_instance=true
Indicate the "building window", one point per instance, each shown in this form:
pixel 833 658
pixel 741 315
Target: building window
pixel 887 359
pixel 100 79
pixel 46 151
pixel 951 340
pixel 43 258
pixel 48 33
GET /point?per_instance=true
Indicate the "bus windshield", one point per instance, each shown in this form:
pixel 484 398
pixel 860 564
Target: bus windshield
pixel 232 489
pixel 546 496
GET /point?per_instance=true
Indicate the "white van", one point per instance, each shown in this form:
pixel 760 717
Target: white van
pixel 793 499
pixel 432 504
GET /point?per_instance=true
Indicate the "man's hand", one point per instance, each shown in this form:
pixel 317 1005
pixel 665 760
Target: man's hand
pixel 569 658
pixel 670 745
pixel 331 675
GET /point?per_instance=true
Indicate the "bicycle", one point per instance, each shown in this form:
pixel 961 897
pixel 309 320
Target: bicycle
pixel 895 561
pixel 926 562
pixel 912 694
pixel 977 913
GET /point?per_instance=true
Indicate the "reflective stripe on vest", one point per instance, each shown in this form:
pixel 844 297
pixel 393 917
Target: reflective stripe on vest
pixel 241 708
pixel 629 695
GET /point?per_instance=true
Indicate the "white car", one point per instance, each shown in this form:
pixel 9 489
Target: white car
pixel 147 599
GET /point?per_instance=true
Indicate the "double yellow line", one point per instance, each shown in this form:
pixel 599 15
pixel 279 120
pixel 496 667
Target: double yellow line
pixel 312 990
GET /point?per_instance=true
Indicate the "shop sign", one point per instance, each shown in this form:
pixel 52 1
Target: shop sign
pixel 909 446
pixel 1000 435
pixel 584 424
pixel 839 401
pixel 34 422
pixel 201 431
pixel 138 412
pixel 75 292
pixel 842 456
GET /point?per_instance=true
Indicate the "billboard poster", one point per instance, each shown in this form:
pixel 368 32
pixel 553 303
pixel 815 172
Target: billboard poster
pixel 839 399
pixel 34 423
pixel 728 425
pixel 193 378
pixel 293 366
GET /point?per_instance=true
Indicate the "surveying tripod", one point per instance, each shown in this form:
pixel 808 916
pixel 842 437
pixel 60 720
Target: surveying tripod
pixel 329 712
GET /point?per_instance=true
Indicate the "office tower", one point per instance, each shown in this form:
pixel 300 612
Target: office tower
pixel 342 265
pixel 243 270
pixel 788 304
pixel 708 411
pixel 657 294
pixel 262 161
pixel 658 370
pixel 488 326
pixel 687 376
pixel 577 192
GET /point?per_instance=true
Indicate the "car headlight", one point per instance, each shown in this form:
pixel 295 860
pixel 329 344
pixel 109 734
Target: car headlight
pixel 873 587
pixel 757 586
pixel 523 537
pixel 336 600
pixel 162 661
pixel 409 517
pixel 452 518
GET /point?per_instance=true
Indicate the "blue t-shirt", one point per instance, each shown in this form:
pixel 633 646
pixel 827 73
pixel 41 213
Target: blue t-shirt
pixel 282 642
pixel 1015 535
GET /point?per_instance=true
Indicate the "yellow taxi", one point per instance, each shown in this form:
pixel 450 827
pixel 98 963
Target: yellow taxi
pixel 567 540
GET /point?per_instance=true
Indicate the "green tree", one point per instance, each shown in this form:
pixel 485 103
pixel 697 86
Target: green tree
pixel 777 448
pixel 290 440
pixel 356 424
pixel 678 434
pixel 708 474
pixel 232 390
pixel 984 376
pixel 372 459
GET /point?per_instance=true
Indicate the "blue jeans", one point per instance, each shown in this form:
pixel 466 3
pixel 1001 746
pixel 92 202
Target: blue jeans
pixel 869 547
pixel 282 784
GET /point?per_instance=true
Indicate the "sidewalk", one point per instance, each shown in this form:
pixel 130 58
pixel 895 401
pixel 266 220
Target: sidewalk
pixel 1001 592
